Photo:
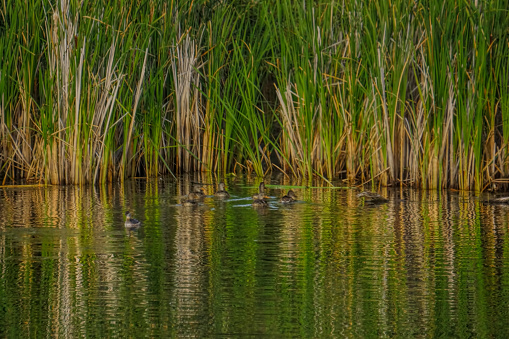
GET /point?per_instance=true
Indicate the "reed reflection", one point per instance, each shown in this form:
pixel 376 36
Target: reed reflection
pixel 190 267
pixel 326 265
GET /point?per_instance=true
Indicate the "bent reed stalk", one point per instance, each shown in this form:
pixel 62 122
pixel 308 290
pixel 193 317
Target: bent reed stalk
pixel 410 93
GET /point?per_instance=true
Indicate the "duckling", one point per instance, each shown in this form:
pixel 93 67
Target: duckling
pixel 259 200
pixel 221 192
pixel 197 194
pixel 372 197
pixel 131 223
pixel 289 197
pixel 261 190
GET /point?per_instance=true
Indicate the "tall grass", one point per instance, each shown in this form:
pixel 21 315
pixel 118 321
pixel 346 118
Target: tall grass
pixel 392 93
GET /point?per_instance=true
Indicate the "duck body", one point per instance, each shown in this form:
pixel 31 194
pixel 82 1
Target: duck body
pixel 289 197
pixel 222 193
pixel 130 222
pixel 197 193
pixel 259 200
pixel 372 197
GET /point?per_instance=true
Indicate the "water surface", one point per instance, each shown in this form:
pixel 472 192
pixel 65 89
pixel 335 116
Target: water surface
pixel 426 264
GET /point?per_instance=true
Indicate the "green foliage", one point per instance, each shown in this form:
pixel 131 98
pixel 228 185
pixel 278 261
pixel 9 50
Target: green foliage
pixel 391 92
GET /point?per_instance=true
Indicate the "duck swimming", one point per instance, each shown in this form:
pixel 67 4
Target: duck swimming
pixel 221 192
pixel 261 190
pixel 289 197
pixel 259 200
pixel 131 223
pixel 198 193
pixel 372 197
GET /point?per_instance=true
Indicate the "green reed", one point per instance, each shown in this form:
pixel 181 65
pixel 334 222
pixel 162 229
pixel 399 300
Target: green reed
pixel 412 93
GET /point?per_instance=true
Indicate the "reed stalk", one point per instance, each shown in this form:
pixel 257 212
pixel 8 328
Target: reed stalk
pixel 411 93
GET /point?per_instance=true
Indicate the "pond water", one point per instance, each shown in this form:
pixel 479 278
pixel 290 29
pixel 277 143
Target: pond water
pixel 425 264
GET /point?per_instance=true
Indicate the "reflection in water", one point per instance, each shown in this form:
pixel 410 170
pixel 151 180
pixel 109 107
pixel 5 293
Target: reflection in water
pixel 424 264
pixel 189 275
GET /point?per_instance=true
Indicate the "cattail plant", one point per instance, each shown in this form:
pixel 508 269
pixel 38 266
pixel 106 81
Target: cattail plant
pixel 410 93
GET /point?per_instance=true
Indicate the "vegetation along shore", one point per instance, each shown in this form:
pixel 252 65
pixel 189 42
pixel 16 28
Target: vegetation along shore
pixel 393 92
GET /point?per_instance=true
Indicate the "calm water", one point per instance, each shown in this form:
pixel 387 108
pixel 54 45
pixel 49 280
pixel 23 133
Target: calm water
pixel 424 265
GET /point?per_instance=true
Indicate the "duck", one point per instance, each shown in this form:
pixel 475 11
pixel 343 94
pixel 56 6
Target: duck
pixel 372 197
pixel 130 222
pixel 261 190
pixel 289 197
pixel 198 193
pixel 259 200
pixel 221 192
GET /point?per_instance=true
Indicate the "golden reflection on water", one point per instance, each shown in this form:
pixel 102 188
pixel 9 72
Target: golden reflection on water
pixel 427 263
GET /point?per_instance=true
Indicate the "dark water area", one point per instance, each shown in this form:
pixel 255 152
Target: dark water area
pixel 425 264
